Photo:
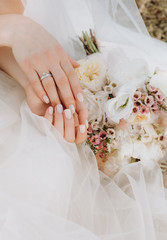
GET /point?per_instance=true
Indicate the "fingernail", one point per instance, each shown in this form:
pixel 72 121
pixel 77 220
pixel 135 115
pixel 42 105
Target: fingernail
pixel 87 125
pixel 72 108
pixel 51 110
pixel 59 108
pixel 80 97
pixel 46 99
pixel 68 113
pixel 82 128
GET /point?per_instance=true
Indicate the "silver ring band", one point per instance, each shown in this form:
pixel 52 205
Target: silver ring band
pixel 45 75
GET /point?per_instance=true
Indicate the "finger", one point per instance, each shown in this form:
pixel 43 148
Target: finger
pixel 58 119
pixel 76 121
pixel 49 114
pixel 73 80
pixel 69 134
pixel 74 63
pixel 50 87
pixel 34 102
pixel 81 133
pixel 37 86
pixel 64 87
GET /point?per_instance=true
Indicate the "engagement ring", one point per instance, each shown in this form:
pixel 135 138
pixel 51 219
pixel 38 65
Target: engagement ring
pixel 45 75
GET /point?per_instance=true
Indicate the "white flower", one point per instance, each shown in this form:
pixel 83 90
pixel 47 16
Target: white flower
pixel 92 72
pixel 149 134
pixel 95 104
pixel 139 118
pixel 159 80
pixel 120 106
pixel 122 70
pixel 139 150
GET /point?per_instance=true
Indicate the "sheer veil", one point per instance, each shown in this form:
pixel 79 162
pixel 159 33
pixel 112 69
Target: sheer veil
pixel 49 189
pixel 115 21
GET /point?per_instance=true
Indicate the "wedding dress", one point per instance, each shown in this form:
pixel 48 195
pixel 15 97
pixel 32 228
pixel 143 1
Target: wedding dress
pixel 50 189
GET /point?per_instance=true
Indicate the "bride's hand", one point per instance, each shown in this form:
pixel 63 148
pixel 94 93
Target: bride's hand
pixel 71 129
pixel 37 52
pixel 67 124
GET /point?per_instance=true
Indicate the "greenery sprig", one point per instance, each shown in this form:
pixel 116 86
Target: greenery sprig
pixel 89 42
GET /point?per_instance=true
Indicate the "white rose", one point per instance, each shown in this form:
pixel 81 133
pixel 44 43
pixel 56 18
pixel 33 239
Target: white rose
pixel 139 118
pixel 120 106
pixel 92 72
pixel 159 80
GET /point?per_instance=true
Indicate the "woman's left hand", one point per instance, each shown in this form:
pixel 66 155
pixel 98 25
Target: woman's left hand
pixel 73 129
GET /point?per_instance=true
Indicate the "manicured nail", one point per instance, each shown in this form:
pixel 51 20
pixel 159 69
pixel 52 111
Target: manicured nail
pixel 51 110
pixel 82 128
pixel 46 99
pixel 80 97
pixel 59 108
pixel 72 108
pixel 87 125
pixel 68 113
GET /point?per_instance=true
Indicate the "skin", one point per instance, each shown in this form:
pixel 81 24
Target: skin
pixel 25 59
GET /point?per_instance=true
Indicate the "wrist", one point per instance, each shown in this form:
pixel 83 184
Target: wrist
pixel 8 25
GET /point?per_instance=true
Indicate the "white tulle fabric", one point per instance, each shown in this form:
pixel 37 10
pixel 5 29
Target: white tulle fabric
pixel 50 189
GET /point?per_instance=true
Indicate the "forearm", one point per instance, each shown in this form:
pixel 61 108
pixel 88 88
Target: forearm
pixel 7 26
pixel 7 61
pixel 9 65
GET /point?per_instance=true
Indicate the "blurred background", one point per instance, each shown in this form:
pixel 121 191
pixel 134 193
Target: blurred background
pixel 154 13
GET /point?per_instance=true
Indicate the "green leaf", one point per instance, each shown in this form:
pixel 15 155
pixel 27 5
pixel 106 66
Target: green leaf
pixel 125 104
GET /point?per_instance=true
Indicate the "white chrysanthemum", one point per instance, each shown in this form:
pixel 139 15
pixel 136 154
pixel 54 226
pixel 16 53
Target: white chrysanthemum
pixel 159 80
pixel 92 72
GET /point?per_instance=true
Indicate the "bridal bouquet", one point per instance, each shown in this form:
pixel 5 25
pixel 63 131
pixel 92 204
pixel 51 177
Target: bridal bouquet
pixel 127 108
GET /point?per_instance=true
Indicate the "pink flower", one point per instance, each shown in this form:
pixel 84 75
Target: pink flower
pixel 90 129
pixel 101 155
pixel 151 88
pixel 135 110
pixel 103 135
pixel 149 101
pixel 137 95
pixel 159 96
pixel 144 110
pixel 138 103
pixel 144 96
pixel 101 145
pixel 95 125
pixel 154 107
pixel 95 140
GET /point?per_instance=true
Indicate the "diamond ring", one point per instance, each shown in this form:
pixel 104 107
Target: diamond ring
pixel 45 75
